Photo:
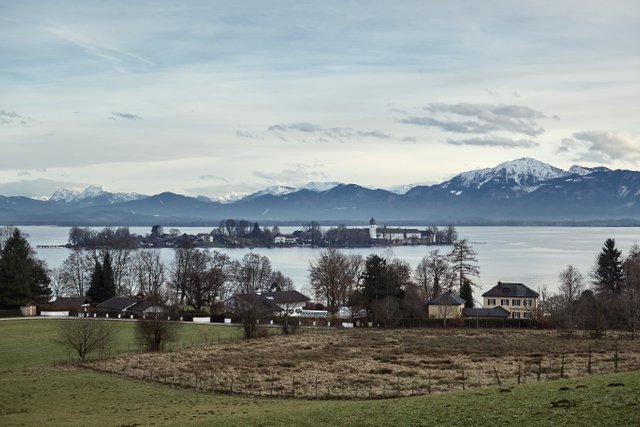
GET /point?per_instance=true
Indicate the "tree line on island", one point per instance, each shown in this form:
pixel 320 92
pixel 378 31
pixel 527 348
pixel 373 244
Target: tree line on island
pixel 386 287
pixel 243 233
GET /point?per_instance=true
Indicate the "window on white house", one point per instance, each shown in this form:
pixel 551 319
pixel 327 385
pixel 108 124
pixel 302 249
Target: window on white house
pixel 515 302
pixel 491 301
pixel 504 302
pixel 515 315
pixel 528 302
pixel 527 315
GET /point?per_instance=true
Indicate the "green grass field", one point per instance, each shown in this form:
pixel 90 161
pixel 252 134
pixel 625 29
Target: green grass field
pixel 34 343
pixel 67 396
pixel 32 392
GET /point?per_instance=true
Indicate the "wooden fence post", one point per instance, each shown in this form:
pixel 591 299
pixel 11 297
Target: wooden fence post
pixel 495 371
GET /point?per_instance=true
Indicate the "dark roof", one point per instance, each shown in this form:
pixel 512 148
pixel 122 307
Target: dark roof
pixel 505 289
pixel 284 297
pixel 372 221
pixel 141 306
pixel 398 230
pixel 497 312
pixel 258 302
pixel 118 303
pixel 447 298
pixel 69 302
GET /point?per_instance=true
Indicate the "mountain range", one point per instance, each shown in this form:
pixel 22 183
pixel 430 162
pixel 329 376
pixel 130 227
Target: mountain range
pixel 518 192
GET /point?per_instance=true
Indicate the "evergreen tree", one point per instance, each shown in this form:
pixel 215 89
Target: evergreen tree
pixel 464 262
pixel 23 278
pixel 466 293
pixel 608 273
pixel 374 278
pixel 102 285
pixel 383 287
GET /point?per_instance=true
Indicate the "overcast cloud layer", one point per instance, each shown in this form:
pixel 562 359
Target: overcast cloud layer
pixel 212 97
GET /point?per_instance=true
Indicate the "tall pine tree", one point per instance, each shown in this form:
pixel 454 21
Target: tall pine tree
pixel 464 262
pixel 466 293
pixel 23 278
pixel 102 285
pixel 608 273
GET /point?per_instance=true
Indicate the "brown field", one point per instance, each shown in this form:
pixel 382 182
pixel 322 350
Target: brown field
pixel 379 363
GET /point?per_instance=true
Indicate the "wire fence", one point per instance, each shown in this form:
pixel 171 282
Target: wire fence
pixel 379 386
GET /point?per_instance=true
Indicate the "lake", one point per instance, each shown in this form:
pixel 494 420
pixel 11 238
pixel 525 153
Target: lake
pixel 531 255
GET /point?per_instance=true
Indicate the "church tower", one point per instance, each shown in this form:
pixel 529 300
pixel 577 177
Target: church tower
pixel 372 229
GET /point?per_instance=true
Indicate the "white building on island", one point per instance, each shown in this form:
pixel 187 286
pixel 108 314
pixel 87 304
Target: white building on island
pixel 395 234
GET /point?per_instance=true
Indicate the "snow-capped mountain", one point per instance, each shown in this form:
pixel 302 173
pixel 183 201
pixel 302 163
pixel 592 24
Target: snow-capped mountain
pixel 318 187
pixel 525 172
pixel 583 170
pixel 280 190
pixel 91 192
pixel 522 191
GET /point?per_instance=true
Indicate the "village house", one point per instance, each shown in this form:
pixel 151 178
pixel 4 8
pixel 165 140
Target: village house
pixel 128 306
pixel 397 234
pixel 285 239
pixel 290 303
pixel 518 299
pixel 445 306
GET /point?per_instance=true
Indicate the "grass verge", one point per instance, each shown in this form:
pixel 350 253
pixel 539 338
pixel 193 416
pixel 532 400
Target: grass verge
pixel 34 343
pixel 66 396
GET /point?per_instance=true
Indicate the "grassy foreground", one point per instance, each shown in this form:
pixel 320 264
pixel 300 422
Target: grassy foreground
pixel 34 343
pixel 68 396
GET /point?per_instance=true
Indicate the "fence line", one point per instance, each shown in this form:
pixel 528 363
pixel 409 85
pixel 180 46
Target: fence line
pixel 551 367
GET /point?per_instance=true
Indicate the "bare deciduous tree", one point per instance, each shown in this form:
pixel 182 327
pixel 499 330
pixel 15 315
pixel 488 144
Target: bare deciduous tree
pixel 252 273
pixel 330 276
pixel 86 335
pixel 571 287
pixel 433 274
pixel 149 271
pixel 155 332
pixel 76 272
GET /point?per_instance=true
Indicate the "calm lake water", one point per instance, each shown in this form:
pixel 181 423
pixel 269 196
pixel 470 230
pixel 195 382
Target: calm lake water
pixel 531 255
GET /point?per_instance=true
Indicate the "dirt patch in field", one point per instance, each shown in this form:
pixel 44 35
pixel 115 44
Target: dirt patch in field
pixel 378 363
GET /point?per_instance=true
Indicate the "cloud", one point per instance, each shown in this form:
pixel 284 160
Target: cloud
pixel 518 119
pixel 297 173
pixel 450 126
pixel 323 134
pixel 24 173
pixel 300 127
pixel 7 117
pixel 128 116
pixel 602 146
pixel 245 134
pixel 208 177
pixel 111 54
pixel 495 141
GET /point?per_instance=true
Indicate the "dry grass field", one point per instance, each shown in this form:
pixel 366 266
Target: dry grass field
pixel 361 364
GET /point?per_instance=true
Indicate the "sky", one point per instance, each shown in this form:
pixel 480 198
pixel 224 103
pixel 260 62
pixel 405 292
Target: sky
pixel 218 97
